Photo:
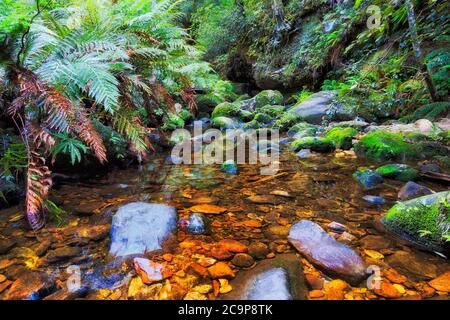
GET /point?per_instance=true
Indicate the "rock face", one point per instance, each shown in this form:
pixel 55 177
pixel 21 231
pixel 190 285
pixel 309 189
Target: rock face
pixel 413 190
pixel 324 251
pixel 280 278
pixel 314 108
pixel 141 227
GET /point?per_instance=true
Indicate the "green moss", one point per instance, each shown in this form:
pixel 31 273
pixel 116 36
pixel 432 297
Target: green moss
pixel 400 172
pixel 342 137
pixel 318 144
pixel 285 121
pixel 226 109
pixel 384 145
pixel 273 111
pixel 225 123
pixel 173 122
pixel 268 97
pixel 424 220
pixel 186 115
pixel 302 126
pixel 252 125
pixel 246 115
pixel 263 118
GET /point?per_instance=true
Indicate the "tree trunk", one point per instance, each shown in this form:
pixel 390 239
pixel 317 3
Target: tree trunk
pixel 418 51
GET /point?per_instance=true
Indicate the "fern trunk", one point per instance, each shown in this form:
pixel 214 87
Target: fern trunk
pixel 418 51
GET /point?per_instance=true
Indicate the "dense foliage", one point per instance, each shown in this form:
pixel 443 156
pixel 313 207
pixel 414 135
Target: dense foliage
pixel 69 70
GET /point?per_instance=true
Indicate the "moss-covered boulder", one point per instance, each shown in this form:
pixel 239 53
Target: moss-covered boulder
pixel 303 126
pixel 318 144
pixel 397 171
pixel 225 123
pixel 424 220
pixel 263 118
pixel 172 122
pixel 226 109
pixel 286 121
pixel 384 145
pixel 368 178
pixel 342 137
pixel 251 125
pixel 273 111
pixel 268 97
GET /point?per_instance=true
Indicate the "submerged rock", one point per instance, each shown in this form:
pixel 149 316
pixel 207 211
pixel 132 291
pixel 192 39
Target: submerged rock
pixel 141 227
pixel 374 199
pixel 328 254
pixel 417 267
pixel 229 167
pixel 6 245
pixel 280 278
pixel 305 154
pixel 368 178
pixel 413 190
pixel 29 286
pixel 196 224
pixel 149 271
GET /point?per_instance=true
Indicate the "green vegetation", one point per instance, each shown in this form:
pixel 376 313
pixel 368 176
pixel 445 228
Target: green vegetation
pixel 384 145
pixel 68 68
pixel 425 220
pixel 400 172
pixel 342 137
pixel 318 144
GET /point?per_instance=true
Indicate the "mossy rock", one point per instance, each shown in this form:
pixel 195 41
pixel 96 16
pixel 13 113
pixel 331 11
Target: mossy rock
pixel 206 102
pixel 263 118
pixel 285 121
pixel 179 136
pixel 318 144
pixel 227 109
pixel 368 178
pixel 342 137
pixel 385 145
pixel 225 123
pixel 302 127
pixel 424 220
pixel 252 125
pixel 397 171
pixel 172 122
pixel 246 115
pixel 273 111
pixel 268 97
